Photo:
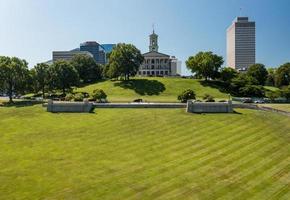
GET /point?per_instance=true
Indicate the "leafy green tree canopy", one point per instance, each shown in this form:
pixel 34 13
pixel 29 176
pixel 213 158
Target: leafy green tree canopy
pixel 205 64
pixel 63 75
pixel 259 72
pixel 42 76
pixel 125 60
pixel 286 93
pixel 88 70
pixel 227 74
pixel 282 76
pixel 14 74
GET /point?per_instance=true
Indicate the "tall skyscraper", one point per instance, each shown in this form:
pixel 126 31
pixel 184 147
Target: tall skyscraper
pixel 241 44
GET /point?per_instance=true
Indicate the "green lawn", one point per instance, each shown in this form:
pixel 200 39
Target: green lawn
pixel 284 107
pixel 143 154
pixel 152 89
pixel 271 88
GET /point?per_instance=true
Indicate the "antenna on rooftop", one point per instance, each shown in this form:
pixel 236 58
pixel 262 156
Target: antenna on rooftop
pixel 153 27
pixel 240 13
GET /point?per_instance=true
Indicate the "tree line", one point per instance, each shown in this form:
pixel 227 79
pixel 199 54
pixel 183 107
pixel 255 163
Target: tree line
pixel 124 62
pixel 17 78
pixel 208 65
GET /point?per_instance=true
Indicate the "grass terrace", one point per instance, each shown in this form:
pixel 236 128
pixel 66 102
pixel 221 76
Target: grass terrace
pixel 143 154
pixel 152 89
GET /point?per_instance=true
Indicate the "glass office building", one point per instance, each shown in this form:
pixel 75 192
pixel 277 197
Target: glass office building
pixel 96 50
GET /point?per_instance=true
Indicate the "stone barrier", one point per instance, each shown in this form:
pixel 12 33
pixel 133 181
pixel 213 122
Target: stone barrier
pixel 139 105
pixel 209 107
pixel 77 107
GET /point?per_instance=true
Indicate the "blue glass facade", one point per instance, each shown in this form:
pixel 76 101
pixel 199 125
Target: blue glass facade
pixel 108 47
pixel 96 50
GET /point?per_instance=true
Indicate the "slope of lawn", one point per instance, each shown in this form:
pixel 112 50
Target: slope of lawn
pixel 152 89
pixel 143 154
pixel 284 107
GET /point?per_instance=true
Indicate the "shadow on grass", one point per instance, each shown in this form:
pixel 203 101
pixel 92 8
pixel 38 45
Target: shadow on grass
pixel 24 103
pixel 142 86
pixel 221 86
pixel 90 83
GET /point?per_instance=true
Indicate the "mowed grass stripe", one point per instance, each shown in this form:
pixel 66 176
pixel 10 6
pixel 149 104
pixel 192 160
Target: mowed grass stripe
pixel 202 163
pixel 143 154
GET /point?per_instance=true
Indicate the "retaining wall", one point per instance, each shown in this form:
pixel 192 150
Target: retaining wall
pixel 209 107
pixel 53 106
pixel 140 105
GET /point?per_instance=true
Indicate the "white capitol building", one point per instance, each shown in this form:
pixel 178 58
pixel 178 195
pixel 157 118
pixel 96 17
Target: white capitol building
pixel 158 64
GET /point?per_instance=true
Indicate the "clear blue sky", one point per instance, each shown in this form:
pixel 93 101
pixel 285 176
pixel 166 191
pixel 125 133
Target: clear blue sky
pixel 32 29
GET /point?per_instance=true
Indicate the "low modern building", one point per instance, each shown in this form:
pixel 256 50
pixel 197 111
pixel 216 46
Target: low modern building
pixel 90 48
pixel 68 55
pixel 156 63
pixel 241 44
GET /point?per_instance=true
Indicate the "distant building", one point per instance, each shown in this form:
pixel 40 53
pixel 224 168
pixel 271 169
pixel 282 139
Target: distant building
pixel 108 47
pixel 68 55
pixel 175 66
pixel 241 44
pixel 96 50
pixel 92 48
pixel 156 63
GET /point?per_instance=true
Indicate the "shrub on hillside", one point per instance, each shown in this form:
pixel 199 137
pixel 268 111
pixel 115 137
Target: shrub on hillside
pixel 286 93
pixel 186 95
pixel 252 91
pixel 69 97
pixel 99 95
pixel 272 95
pixel 208 98
pixel 79 97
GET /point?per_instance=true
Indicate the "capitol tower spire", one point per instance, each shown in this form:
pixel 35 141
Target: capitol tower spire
pixel 153 46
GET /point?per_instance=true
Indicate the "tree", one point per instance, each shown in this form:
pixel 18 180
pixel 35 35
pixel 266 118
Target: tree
pixel 252 91
pixel 259 72
pixel 63 75
pixel 282 76
pixel 241 81
pixel 99 95
pixel 227 74
pixel 205 64
pixel 270 81
pixel 32 85
pixel 125 60
pixel 14 74
pixel 286 93
pixel 186 95
pixel 272 95
pixel 42 77
pixel 89 71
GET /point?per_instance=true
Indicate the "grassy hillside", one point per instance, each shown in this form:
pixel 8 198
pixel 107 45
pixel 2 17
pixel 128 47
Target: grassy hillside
pixel 152 89
pixel 143 154
pixel 284 107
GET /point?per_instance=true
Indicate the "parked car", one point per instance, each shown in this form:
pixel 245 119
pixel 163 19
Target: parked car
pixel 259 101
pixel 138 100
pixel 247 100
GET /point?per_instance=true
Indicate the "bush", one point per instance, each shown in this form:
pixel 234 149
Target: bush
pixel 186 95
pixel 286 93
pixel 252 91
pixel 99 95
pixel 69 97
pixel 272 95
pixel 208 98
pixel 79 97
